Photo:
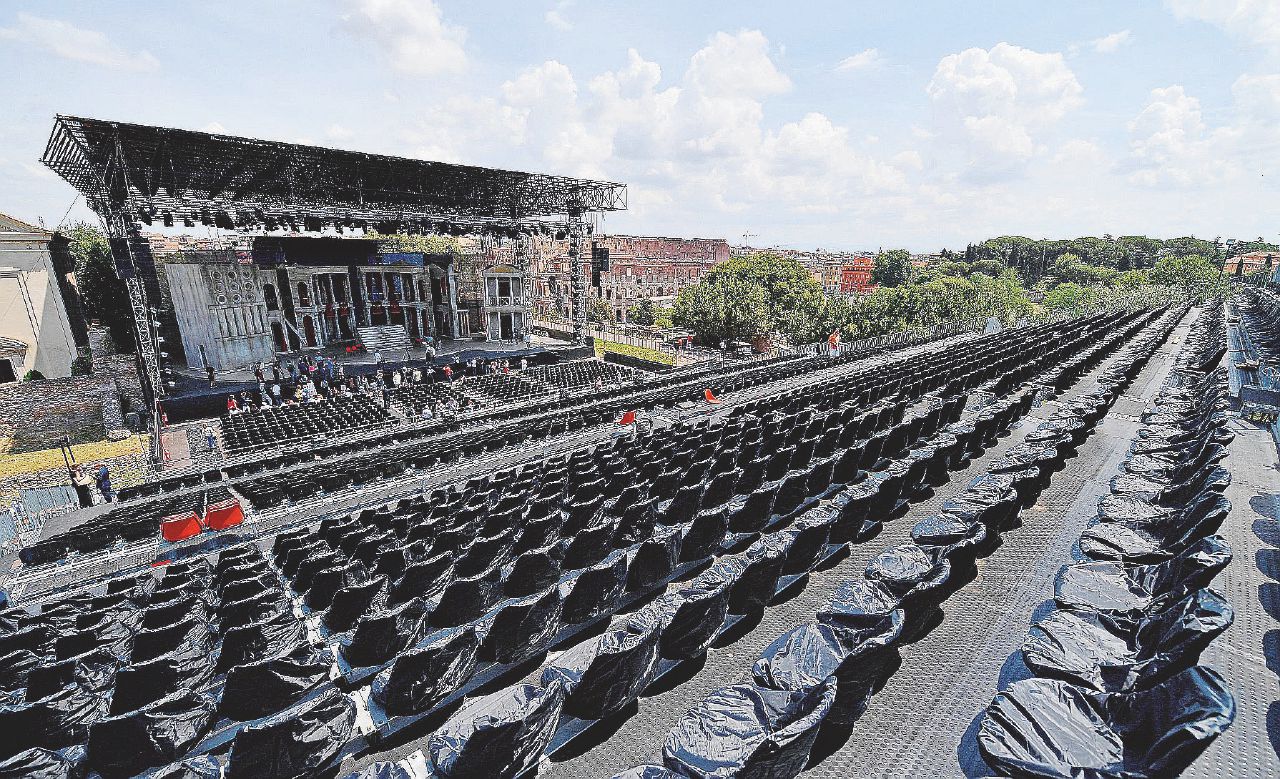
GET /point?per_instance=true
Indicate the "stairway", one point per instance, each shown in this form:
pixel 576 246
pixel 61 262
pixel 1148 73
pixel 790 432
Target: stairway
pixel 384 338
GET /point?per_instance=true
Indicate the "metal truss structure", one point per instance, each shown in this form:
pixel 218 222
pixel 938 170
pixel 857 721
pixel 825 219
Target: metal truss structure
pixel 132 174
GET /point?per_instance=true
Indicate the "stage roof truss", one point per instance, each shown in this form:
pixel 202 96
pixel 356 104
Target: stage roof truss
pixel 117 165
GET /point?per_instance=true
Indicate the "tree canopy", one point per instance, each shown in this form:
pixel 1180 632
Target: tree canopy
pixel 105 297
pixel 892 268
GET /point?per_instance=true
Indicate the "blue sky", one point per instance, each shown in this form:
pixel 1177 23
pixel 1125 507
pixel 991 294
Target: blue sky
pixel 808 124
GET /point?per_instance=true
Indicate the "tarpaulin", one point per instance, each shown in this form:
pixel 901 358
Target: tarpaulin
pixel 497 736
pixel 115 634
pixel 860 605
pixel 522 628
pixel 1108 655
pixel 1043 727
pixel 908 571
pixel 186 667
pixel 94 670
pixel 57 720
pixel 465 599
pixel 752 513
pixel 246 588
pixel 254 608
pixel 806 541
pixel 654 559
pixel 378 636
pixel 203 767
pixel 1128 590
pixel 746 730
pixel 703 535
pixel 1150 540
pixel 270 636
pixel 484 553
pixel 40 763
pixel 693 614
pixel 172 612
pixel 805 657
pixel 150 644
pixel 295 742
pixel 257 689
pixel 15 667
pixel 126 744
pixel 421 578
pixel 595 590
pixel 759 569
pixel 326 583
pixel 602 675
pixel 422 677
pixel 533 571
pixel 589 545
pixel 947 535
pixel 1174 494
pixel 637 522
pixel 354 601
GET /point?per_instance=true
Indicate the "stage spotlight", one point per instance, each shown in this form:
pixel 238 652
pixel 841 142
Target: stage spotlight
pixel 144 215
pixel 312 224
pixel 222 220
pixel 188 220
pixel 167 216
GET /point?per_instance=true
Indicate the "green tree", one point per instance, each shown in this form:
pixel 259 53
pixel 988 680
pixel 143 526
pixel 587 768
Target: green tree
pixel 1195 275
pixel 892 268
pixel 1070 298
pixel 643 312
pixel 599 311
pixel 105 297
pixel 727 308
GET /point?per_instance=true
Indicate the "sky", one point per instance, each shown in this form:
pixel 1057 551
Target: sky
pixel 837 125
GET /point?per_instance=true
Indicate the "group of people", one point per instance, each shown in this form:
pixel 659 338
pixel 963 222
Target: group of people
pixel 85 479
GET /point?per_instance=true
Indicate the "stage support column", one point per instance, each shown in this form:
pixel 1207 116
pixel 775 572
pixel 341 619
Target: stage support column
pixel 577 230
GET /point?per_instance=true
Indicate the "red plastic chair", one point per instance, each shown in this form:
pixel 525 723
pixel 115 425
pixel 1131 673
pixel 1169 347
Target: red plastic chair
pixel 628 418
pixel 177 527
pixel 706 393
pixel 223 514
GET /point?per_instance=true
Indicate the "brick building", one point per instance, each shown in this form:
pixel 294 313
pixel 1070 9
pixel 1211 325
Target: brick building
pixel 639 267
pixel 848 276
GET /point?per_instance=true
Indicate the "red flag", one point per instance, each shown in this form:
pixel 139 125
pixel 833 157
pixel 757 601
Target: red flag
pixel 628 418
pixel 710 398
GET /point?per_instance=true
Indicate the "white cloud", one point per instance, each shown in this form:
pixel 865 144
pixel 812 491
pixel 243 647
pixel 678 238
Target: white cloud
pixel 1256 22
pixel 738 65
pixel 76 43
pixel 412 33
pixel 991 105
pixel 1110 43
pixel 556 16
pixel 867 59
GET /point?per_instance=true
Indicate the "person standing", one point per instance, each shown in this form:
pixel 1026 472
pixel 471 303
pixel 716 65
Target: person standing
pixel 275 372
pixel 83 484
pixel 448 374
pixel 104 483
pixel 208 369
pixel 524 364
pixel 210 440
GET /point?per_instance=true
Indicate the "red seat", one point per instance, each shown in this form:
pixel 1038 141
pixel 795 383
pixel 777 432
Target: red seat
pixel 710 398
pixel 628 418
pixel 223 514
pixel 176 527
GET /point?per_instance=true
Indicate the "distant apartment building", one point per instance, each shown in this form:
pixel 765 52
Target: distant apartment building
pixel 849 276
pixel 1252 262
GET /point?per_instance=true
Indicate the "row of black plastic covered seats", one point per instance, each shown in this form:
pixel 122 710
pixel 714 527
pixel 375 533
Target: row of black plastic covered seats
pixel 417 396
pixel 272 491
pixel 1117 686
pixel 337 528
pixel 143 671
pixel 137 522
pixel 580 374
pixel 602 675
pixel 824 671
pixel 272 425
